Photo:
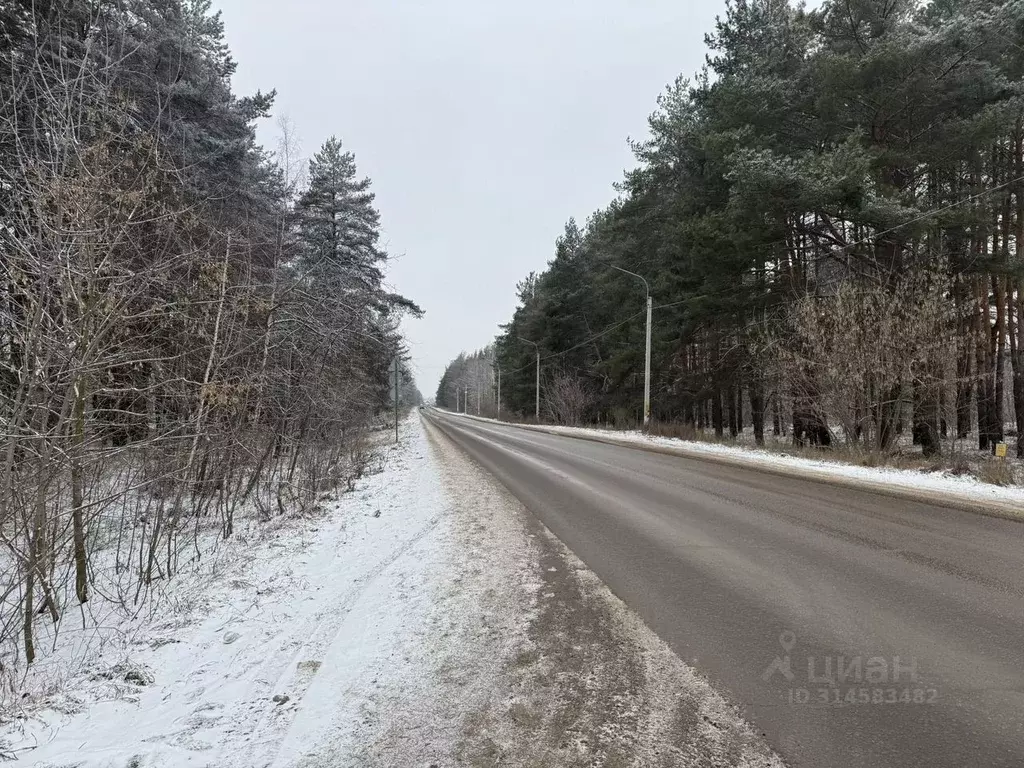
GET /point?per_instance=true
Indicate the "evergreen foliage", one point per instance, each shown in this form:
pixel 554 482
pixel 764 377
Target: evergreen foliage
pixel 181 345
pixel 864 146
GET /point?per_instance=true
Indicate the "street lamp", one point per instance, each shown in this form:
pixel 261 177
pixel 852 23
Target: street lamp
pixel 538 374
pixel 647 364
pixel 498 369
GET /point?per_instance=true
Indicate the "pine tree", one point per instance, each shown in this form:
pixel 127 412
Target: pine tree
pixel 340 228
pixel 861 146
pixel 172 333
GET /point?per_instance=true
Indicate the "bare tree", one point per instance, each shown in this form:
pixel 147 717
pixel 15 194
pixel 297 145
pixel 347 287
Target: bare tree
pixel 168 361
pixel 567 398
pixel 866 351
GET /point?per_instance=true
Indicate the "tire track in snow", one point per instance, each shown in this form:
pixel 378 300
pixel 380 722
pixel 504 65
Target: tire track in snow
pixel 313 643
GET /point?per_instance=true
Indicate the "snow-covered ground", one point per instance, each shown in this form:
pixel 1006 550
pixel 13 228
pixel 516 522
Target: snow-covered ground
pixel 321 617
pixel 423 619
pixel 935 485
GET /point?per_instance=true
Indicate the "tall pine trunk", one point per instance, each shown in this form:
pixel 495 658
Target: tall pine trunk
pixel 757 408
pixel 739 406
pixel 983 367
pixel 730 394
pixel 999 352
pixel 888 416
pixel 717 417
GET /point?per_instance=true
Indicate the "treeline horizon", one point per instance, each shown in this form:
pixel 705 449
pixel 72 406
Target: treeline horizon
pixel 830 216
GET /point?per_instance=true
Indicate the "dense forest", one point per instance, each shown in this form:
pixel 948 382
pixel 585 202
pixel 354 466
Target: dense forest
pixel 470 384
pixel 830 217
pixel 193 330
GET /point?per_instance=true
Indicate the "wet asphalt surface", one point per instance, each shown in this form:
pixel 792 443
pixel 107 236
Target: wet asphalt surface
pixel 852 628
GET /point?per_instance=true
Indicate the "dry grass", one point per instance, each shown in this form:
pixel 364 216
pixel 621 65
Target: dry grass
pixel 954 461
pixel 997 472
pixel 675 429
pixel 988 469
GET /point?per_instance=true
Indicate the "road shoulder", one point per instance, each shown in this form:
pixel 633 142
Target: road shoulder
pixel 581 681
pixel 424 619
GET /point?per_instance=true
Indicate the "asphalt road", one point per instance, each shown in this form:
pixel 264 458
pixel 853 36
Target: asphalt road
pixel 851 628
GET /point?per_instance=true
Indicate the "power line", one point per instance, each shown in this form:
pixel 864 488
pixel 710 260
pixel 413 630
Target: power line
pixel 583 343
pixel 605 332
pixel 873 237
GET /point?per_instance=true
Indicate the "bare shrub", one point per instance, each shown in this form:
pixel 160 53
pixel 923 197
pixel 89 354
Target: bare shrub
pixel 997 472
pixel 567 399
pixel 177 354
pixel 677 429
pixel 862 352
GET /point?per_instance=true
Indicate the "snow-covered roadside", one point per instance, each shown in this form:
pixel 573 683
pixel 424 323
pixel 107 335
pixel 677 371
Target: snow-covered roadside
pixel 320 616
pixel 425 619
pixel 937 486
pixel 559 671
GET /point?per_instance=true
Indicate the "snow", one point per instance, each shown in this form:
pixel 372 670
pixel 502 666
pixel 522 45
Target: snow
pixel 404 625
pixel 929 485
pixel 324 611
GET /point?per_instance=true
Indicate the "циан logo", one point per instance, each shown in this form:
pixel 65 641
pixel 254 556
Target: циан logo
pixel 841 679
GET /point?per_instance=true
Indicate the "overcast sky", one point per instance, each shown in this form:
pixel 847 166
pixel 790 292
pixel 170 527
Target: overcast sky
pixel 483 125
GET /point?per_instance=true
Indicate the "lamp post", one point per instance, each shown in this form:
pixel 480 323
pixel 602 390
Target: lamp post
pixel 647 363
pixel 537 409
